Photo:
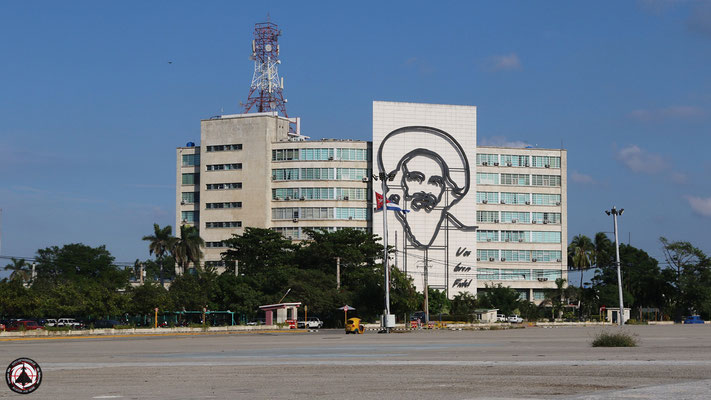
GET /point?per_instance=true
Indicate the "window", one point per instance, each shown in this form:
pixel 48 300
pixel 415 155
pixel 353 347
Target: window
pixel 226 224
pixel 317 213
pixel 352 154
pixel 285 174
pixel 487 197
pixel 487 216
pixel 515 217
pixel 545 218
pixel 516 255
pixel 515 179
pixel 543 199
pixel 487 236
pixel 352 193
pixel 487 254
pixel 188 216
pixel 316 174
pixel 546 162
pixel 191 179
pixel 315 154
pixel 191 160
pixel 515 236
pixel 351 174
pixel 215 244
pixel 285 154
pixel 509 160
pixel 487 179
pixel 546 255
pixel 487 274
pixel 288 232
pixel 487 159
pixel 539 294
pixel 224 167
pixel 224 147
pixel 515 198
pixel 360 214
pixel 190 198
pixel 515 274
pixel 545 180
pixel 285 213
pixel 233 204
pixel 547 274
pixel 215 264
pixel 545 237
pixel 224 186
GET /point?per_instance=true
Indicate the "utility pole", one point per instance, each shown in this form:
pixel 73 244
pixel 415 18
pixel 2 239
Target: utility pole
pixel 396 253
pixel 614 212
pixel 338 272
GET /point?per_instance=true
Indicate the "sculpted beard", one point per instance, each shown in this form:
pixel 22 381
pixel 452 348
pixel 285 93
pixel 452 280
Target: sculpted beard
pixel 423 201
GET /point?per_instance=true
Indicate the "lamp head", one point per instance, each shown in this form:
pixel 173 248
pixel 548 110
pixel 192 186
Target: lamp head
pixel 621 211
pixel 607 212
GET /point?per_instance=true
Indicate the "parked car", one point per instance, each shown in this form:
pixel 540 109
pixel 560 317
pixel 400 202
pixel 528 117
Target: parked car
pixel 23 324
pixel 353 325
pixel 106 323
pixel 312 323
pixel 71 323
pixel 418 315
pixel 50 322
pixel 257 321
pixel 501 318
pixel 694 319
pixel 515 319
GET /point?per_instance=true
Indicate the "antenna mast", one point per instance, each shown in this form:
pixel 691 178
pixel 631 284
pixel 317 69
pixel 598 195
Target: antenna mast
pixel 266 92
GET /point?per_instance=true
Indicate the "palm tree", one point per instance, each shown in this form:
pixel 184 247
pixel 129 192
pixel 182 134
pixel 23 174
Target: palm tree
pixel 160 243
pixel 581 254
pixel 20 270
pixel 556 298
pixel 186 248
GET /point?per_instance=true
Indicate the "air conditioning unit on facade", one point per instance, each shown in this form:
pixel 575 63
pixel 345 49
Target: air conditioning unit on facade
pixel 513 221
pixel 534 222
pixel 277 198
pixel 488 239
pixel 182 203
pixel 345 197
pixel 496 221
pixel 484 163
pixel 302 198
pixel 557 260
pixel 506 240
pixel 496 164
pixel 528 203
pixel 534 260
pixel 491 258
pixel 365 179
pixel 330 158
pixel 287 198
pixel 545 221
pixel 485 201
pixel 295 220
pixel 548 165
pixel 503 259
pixel 508 164
pixel 557 203
pixel 503 202
pixel 542 279
pixel 520 240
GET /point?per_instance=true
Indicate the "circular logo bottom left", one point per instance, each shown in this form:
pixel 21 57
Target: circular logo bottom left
pixel 23 375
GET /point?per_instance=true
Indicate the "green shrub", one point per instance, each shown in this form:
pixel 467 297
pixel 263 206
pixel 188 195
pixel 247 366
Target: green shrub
pixel 124 327
pixel 57 328
pixel 619 339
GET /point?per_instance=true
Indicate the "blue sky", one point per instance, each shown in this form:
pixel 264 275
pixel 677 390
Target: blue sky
pixel 91 111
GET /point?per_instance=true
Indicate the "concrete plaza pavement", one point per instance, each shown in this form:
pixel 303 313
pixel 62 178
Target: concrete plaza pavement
pixel 541 363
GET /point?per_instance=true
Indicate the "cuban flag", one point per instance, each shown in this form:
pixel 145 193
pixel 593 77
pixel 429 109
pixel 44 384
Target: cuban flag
pixel 379 203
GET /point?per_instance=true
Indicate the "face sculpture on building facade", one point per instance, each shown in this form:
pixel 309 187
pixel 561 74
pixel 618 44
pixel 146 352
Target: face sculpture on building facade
pixel 423 186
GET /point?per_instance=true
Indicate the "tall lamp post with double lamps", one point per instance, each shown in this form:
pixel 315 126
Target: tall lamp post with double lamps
pixel 615 212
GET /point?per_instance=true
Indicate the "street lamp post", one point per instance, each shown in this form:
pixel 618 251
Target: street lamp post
pixel 614 212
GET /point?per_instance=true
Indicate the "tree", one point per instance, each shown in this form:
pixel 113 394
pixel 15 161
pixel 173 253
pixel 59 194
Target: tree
pixel 20 270
pixel 259 250
pixel 581 254
pixel 147 297
pixel 463 303
pixel 79 263
pixel 557 298
pixel 186 248
pixel 505 299
pixel 161 242
pixel 693 277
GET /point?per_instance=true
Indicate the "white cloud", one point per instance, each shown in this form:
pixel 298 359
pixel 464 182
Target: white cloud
pixel 502 141
pixel 639 160
pixel 578 177
pixel 505 62
pixel 700 205
pixel 671 112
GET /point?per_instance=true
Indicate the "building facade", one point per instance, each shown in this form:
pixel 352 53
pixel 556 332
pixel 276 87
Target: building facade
pixel 249 170
pixel 460 217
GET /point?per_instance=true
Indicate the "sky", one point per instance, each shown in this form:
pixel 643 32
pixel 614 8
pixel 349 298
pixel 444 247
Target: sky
pixel 96 96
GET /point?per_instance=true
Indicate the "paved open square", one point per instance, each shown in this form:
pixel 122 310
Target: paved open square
pixel 670 362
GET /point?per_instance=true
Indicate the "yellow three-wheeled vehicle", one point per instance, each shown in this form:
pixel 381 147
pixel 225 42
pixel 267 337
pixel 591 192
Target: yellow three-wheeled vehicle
pixel 353 325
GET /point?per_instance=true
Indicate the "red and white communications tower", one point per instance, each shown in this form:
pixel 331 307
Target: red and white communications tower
pixel 266 92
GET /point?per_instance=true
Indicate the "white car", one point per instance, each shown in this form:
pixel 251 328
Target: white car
pixel 50 322
pixel 312 323
pixel 69 322
pixel 515 319
pixel 501 318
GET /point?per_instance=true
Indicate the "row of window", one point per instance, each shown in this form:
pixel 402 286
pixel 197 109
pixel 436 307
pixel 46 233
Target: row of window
pixel 191 179
pixel 320 194
pixel 300 232
pixel 319 174
pixel 224 147
pixel 224 186
pixel 512 217
pixel 190 217
pixel 215 244
pixel 320 154
pixel 191 160
pixel 224 167
pixel 538 199
pixel 519 255
pixel 190 197
pixel 282 213
pixel 518 236
pixel 224 224
pixel 506 274
pixel 512 160
pixel 485 178
pixel 229 204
